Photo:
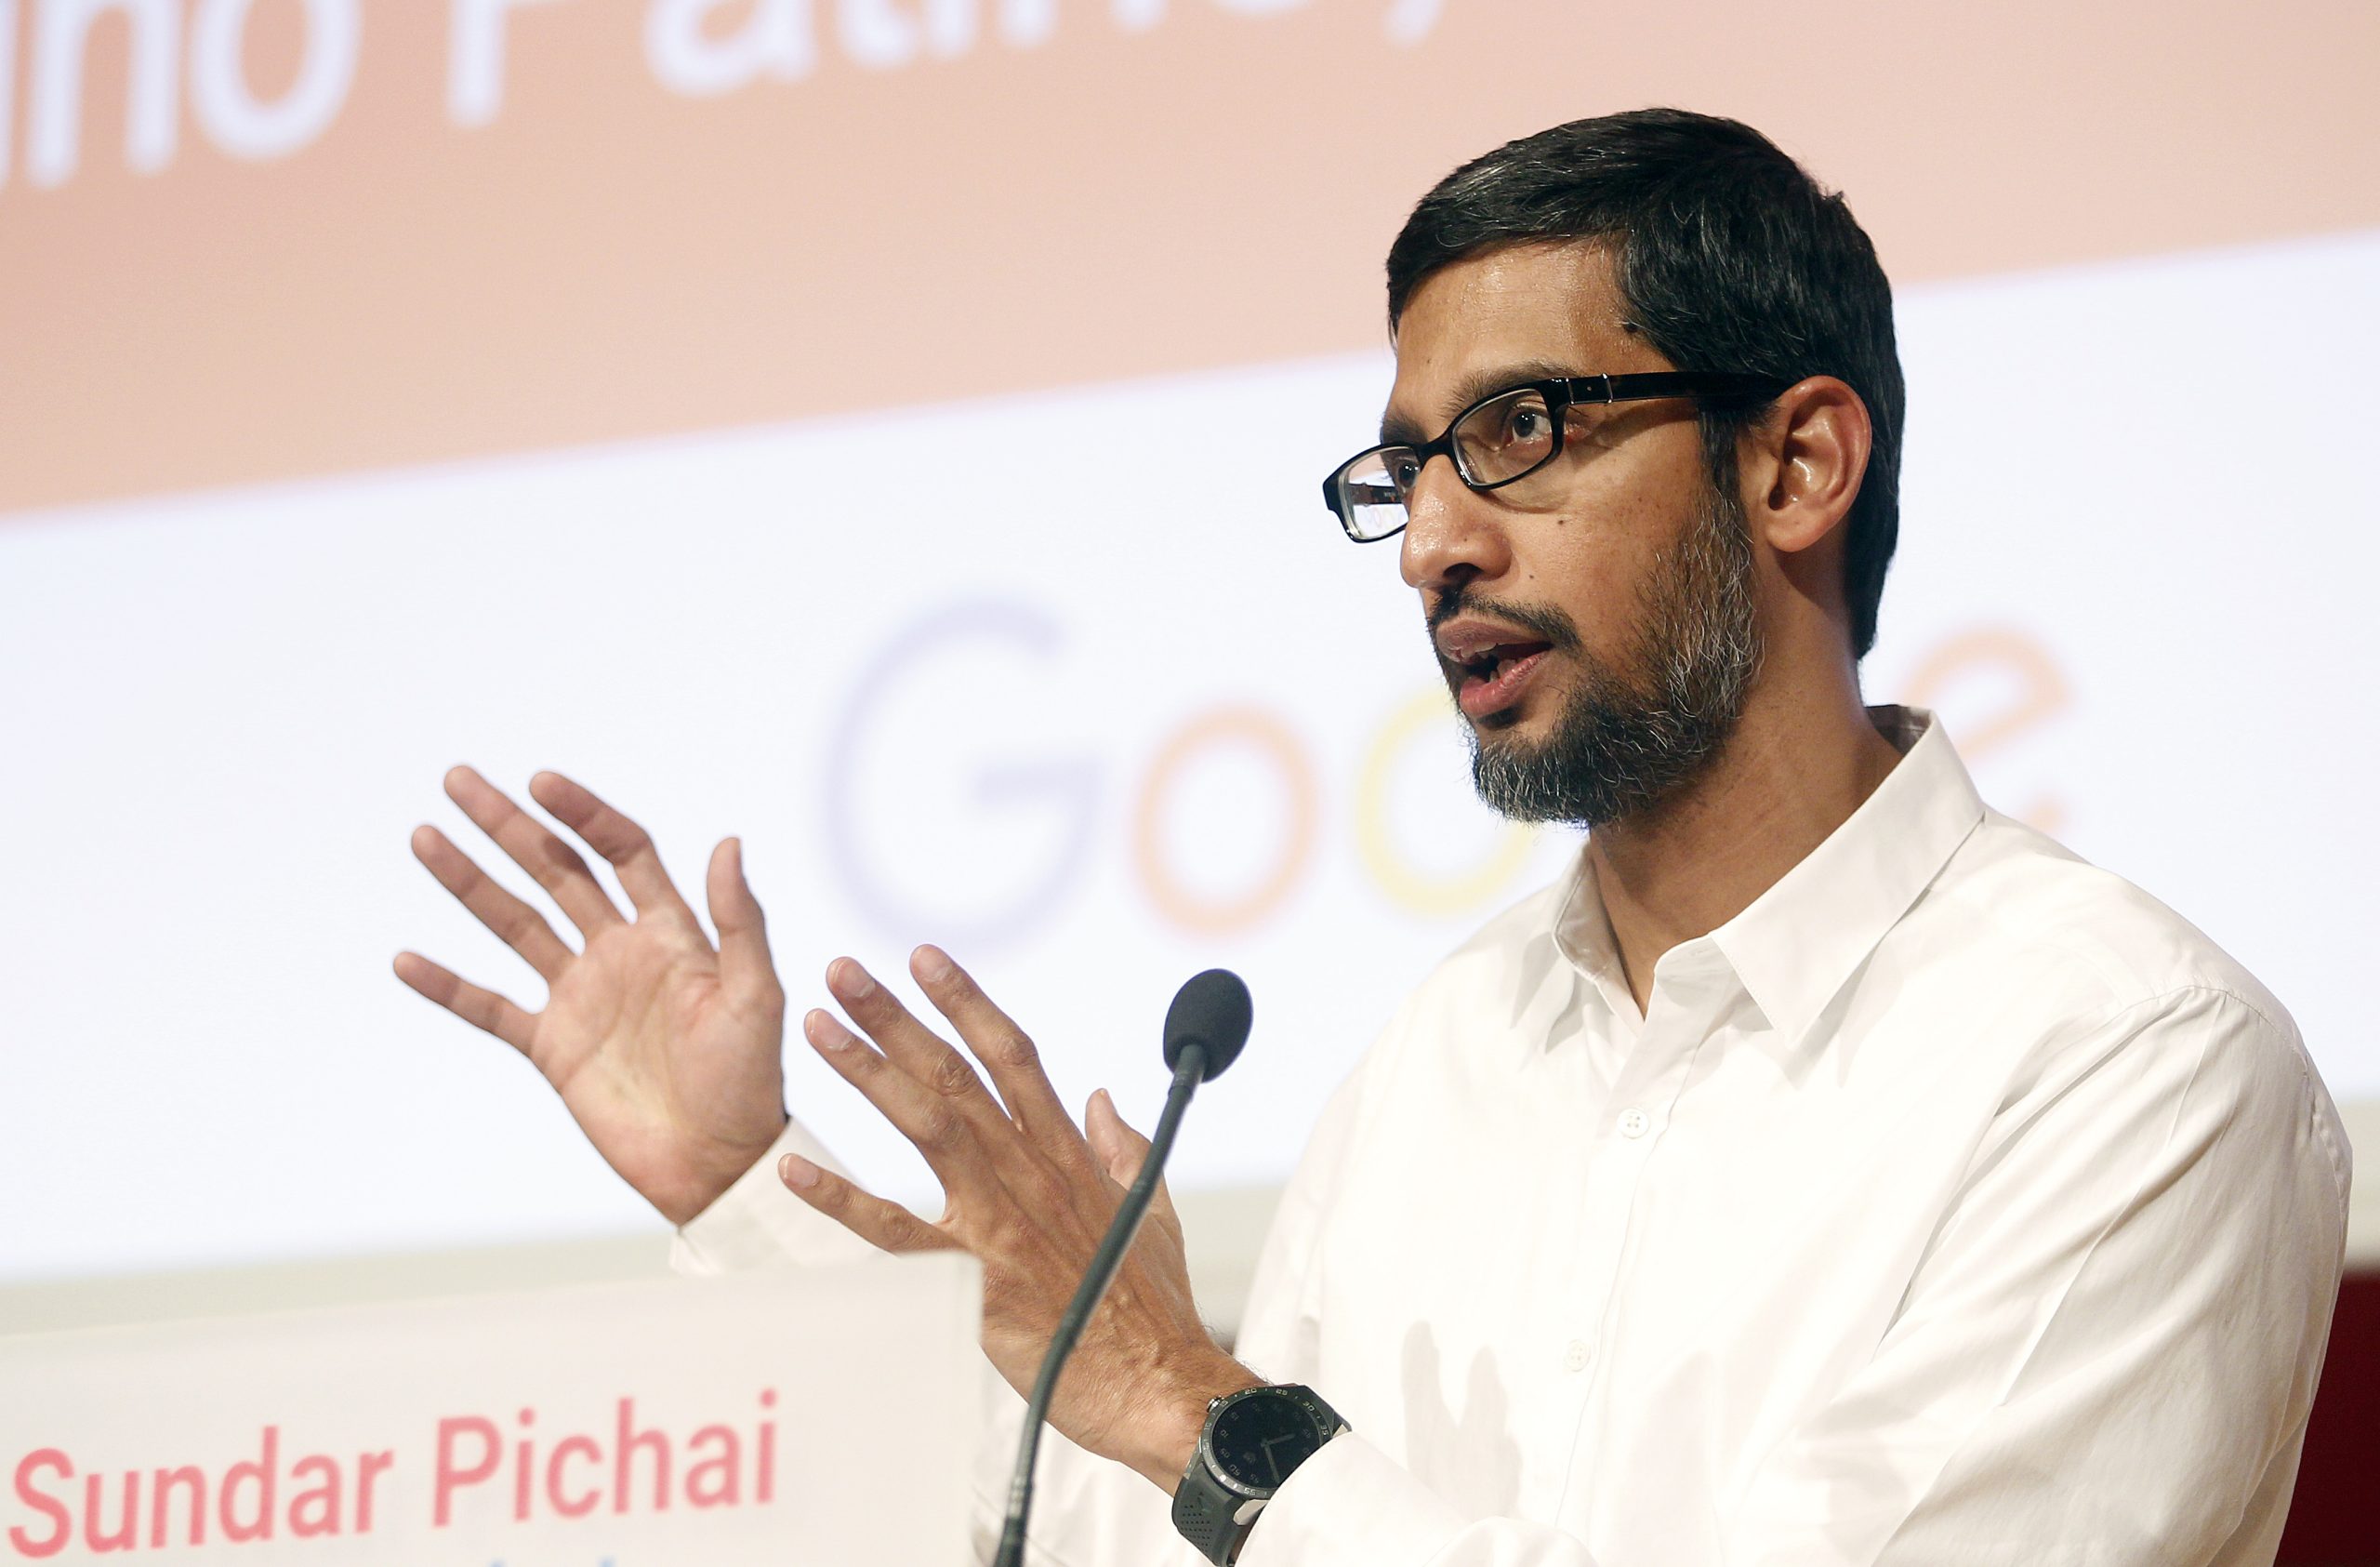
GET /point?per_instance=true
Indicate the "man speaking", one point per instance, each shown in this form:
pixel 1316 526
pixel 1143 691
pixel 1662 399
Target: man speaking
pixel 1828 1169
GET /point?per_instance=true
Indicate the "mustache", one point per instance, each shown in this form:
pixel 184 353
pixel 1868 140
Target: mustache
pixel 1548 624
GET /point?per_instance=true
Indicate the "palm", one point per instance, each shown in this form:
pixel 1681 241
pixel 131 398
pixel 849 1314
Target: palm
pixel 666 1051
pixel 666 1077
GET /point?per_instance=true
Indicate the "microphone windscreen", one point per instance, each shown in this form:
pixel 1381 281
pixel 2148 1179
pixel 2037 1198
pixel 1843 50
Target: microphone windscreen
pixel 1211 1010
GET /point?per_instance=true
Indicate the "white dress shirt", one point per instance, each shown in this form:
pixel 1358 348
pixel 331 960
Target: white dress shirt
pixel 1955 1202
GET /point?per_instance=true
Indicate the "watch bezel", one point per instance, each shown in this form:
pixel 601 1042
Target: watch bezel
pixel 1319 1420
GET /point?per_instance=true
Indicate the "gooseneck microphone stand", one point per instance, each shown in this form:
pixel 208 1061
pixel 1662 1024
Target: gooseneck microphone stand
pixel 1203 1031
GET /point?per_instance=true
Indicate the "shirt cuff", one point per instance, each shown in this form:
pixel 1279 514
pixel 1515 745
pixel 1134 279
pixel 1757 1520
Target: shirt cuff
pixel 1351 1506
pixel 758 1224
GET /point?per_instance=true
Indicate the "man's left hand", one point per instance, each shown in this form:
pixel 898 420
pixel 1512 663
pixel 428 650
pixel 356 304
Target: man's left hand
pixel 1029 1196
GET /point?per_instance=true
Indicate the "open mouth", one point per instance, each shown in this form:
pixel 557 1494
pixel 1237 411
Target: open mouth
pixel 1492 678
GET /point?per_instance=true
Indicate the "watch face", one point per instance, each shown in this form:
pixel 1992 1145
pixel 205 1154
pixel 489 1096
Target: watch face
pixel 1259 1439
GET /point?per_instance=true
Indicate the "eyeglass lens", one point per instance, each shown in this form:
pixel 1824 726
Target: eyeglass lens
pixel 1494 443
pixel 1505 438
pixel 1372 492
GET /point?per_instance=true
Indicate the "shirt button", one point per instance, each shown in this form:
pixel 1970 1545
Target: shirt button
pixel 1576 1357
pixel 1634 1124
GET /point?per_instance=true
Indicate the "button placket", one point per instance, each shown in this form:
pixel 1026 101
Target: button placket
pixel 1653 1074
pixel 1614 1174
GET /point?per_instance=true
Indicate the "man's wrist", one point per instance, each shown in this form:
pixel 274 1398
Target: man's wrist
pixel 1170 1436
pixel 716 1171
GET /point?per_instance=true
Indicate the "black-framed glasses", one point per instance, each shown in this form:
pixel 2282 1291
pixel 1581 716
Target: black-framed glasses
pixel 1505 437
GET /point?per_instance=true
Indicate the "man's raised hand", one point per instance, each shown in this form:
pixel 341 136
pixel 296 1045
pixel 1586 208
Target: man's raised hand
pixel 666 1050
pixel 1029 1195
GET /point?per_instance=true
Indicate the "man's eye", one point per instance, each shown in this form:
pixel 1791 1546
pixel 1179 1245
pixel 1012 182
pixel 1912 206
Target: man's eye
pixel 1526 424
pixel 1405 472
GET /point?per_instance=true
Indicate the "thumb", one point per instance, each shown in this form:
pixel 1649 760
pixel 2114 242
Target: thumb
pixel 1121 1152
pixel 746 971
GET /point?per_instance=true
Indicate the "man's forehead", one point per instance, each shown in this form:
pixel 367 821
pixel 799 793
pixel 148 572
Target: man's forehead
pixel 1518 313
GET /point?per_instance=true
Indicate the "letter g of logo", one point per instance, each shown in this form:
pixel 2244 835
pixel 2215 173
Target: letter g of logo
pixel 956 635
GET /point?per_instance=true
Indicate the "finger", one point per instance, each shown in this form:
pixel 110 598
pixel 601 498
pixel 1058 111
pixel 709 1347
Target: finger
pixel 480 1008
pixel 515 924
pixel 746 971
pixel 939 1127
pixel 626 847
pixel 1006 1052
pixel 886 1225
pixel 553 863
pixel 1121 1153
pixel 917 1050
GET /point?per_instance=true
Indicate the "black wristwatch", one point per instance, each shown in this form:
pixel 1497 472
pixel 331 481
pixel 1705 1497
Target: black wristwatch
pixel 1254 1440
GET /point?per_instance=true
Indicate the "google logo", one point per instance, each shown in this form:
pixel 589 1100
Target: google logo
pixel 982 628
pixel 2030 689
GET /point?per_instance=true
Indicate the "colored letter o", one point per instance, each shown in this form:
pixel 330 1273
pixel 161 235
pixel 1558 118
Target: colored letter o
pixel 1423 894
pixel 1267 735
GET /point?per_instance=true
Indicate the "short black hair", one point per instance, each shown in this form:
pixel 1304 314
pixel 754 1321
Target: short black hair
pixel 1729 256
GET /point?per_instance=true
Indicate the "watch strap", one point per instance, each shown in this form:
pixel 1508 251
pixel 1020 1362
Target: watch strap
pixel 1202 1513
pixel 1217 1518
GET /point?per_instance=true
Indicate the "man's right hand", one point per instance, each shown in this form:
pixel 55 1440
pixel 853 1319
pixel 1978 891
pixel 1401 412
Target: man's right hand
pixel 668 1051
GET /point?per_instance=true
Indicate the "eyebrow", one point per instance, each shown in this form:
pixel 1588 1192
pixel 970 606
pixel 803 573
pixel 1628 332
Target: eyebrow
pixel 1400 430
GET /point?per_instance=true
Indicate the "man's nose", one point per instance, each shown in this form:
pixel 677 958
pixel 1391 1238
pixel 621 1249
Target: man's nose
pixel 1454 533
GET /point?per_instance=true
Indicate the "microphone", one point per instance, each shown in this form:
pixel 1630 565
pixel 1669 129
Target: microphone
pixel 1205 1030
pixel 1212 1011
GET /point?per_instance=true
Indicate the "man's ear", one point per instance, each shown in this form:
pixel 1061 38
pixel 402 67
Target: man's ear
pixel 1812 453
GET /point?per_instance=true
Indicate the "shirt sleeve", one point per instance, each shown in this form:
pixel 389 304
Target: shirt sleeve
pixel 758 1224
pixel 2105 1354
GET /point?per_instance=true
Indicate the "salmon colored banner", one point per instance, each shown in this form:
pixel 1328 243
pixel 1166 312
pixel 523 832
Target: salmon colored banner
pixel 248 239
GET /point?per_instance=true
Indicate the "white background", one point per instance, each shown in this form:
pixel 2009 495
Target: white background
pixel 224 714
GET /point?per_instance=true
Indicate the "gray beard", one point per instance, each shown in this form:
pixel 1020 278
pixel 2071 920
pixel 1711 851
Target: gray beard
pixel 1627 742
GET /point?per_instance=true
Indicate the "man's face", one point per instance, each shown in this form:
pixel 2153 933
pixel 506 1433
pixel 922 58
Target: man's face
pixel 1595 622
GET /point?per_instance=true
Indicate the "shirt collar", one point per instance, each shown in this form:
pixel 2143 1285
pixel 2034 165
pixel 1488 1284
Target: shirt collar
pixel 1796 944
pixel 1582 933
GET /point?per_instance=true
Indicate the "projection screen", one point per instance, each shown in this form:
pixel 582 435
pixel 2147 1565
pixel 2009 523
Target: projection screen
pixel 890 432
